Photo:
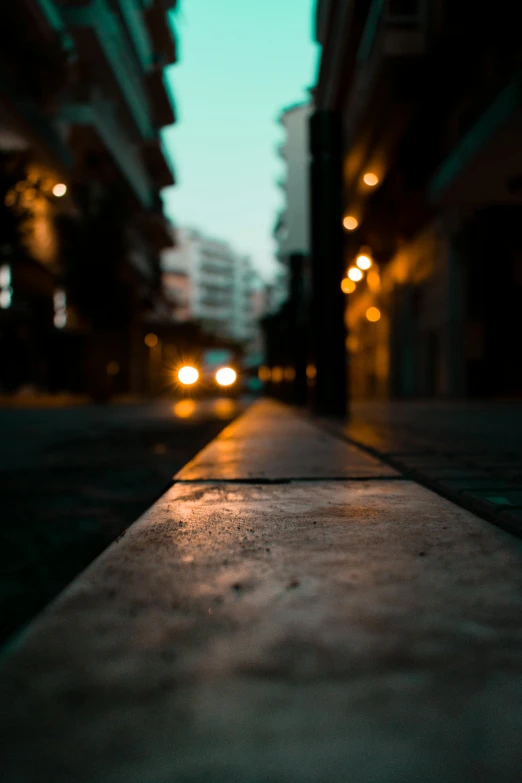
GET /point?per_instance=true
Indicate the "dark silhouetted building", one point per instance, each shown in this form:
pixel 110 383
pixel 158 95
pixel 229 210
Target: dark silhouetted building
pixel 83 96
pixel 428 95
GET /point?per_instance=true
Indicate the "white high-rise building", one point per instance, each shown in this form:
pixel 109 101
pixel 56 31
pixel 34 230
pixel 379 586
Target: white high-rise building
pixel 211 283
pixel 291 231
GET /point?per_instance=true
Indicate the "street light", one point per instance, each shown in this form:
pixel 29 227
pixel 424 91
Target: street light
pixel 347 286
pixel 363 261
pixel 151 340
pixel 355 274
pixel 370 179
pixel 59 189
pixel 373 314
pixel 350 223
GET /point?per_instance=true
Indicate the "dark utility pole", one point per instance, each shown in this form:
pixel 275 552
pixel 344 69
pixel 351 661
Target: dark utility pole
pixel 326 205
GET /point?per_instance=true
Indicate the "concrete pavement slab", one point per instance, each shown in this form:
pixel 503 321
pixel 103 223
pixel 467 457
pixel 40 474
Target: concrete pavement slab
pixel 436 443
pixel 271 442
pixel 366 631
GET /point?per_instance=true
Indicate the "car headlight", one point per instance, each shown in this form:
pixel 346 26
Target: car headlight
pixel 188 375
pixel 226 376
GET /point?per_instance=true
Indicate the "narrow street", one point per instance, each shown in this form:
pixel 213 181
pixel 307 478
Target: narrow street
pixel 73 479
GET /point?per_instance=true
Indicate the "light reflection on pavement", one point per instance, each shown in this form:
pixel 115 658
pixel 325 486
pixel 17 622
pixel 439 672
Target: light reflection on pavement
pixel 73 479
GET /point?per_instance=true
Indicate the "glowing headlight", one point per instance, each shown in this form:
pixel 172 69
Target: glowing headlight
pixel 226 376
pixel 188 375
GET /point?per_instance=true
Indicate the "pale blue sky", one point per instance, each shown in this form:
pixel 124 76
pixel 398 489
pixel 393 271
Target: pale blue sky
pixel 241 62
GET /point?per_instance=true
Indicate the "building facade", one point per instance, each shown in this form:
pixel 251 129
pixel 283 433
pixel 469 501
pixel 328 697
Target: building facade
pixel 83 96
pixel 284 325
pixel 212 284
pixel 291 230
pixel 427 96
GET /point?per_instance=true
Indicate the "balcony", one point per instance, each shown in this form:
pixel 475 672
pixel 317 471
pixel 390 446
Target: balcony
pixel 158 163
pixel 161 98
pixel 157 229
pixel 394 30
pixel 100 40
pixel 162 33
pixel 99 114
pixel 133 17
pixel 215 274
pixel 280 225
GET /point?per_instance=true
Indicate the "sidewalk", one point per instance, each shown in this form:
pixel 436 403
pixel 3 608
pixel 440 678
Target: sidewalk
pixel 38 400
pixel 469 452
pixel 42 400
pixel 291 611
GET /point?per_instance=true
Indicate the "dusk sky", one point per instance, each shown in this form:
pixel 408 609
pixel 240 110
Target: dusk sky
pixel 241 62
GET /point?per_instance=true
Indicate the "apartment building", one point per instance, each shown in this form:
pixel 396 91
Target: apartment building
pixel 83 95
pixel 211 283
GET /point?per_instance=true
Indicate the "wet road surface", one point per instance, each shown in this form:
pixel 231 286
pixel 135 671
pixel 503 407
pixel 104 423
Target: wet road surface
pixel 73 479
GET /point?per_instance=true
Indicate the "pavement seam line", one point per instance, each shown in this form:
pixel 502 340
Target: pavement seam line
pixel 468 503
pixel 290 480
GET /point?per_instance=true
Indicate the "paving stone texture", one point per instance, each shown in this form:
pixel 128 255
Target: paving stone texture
pixel 469 452
pixel 334 630
pixel 275 446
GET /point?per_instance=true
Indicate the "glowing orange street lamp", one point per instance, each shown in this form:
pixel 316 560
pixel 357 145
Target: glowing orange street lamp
pixel 350 223
pixel 355 274
pixel 370 179
pixel 363 261
pixel 347 286
pixel 373 314
pixel 59 189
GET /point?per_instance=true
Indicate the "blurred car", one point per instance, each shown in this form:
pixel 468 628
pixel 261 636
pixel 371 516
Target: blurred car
pixel 218 374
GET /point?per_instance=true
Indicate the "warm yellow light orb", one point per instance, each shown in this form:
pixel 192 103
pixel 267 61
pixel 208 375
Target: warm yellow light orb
pixel 350 223
pixel 355 274
pixel 373 280
pixel 184 409
pixel 226 376
pixel 188 375
pixel 370 179
pixel 364 261
pixel 224 408
pixel 151 340
pixel 59 190
pixel 373 314
pixel 277 374
pixel 347 286
pixel 352 343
